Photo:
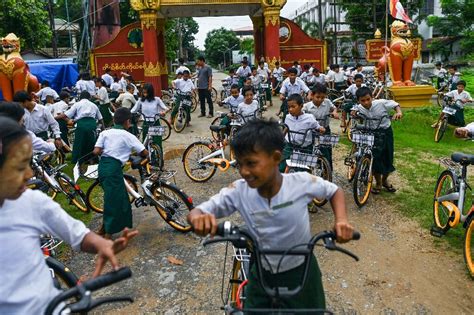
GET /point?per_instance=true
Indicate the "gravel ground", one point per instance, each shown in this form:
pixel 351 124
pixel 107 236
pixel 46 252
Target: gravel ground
pixel 400 270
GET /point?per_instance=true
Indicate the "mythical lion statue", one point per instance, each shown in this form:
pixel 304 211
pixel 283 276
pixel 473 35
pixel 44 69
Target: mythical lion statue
pixel 14 72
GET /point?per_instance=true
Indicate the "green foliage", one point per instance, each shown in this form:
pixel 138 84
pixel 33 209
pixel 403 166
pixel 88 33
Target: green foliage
pixel 218 42
pixel 246 46
pixel 28 19
pixel 456 22
pixel 312 28
pixel 468 76
pixel 188 28
pixel 127 14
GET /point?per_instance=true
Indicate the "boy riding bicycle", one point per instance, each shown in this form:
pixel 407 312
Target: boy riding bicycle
pixel 274 208
pixel 460 97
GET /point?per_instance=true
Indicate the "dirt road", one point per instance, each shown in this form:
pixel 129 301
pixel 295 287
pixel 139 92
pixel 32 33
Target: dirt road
pixel 401 270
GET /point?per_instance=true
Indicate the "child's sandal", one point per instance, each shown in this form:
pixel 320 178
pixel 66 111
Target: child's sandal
pixel 390 188
pixel 375 190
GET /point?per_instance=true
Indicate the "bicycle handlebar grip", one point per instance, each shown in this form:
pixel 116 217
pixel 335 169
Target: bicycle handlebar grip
pixel 107 279
pixel 355 236
pixel 223 228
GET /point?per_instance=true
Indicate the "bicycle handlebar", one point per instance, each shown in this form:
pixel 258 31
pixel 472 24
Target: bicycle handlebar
pixel 82 291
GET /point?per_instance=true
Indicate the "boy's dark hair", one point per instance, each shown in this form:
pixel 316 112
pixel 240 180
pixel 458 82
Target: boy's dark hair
pixel 245 62
pixel 45 83
pixel 261 63
pixel 334 66
pixel 63 95
pixel 293 70
pixel 461 82
pixel 319 88
pixel 277 63
pixel 258 135
pixel 253 68
pixel 315 70
pixel 358 65
pixel 358 76
pixel 181 60
pixel 10 133
pixel 306 67
pixel 107 70
pixel 85 95
pixel 49 97
pixel 21 97
pixel 331 66
pixel 246 89
pixel 12 110
pixel 295 63
pixel 234 86
pixel 438 63
pixel 231 70
pixel 453 67
pixel 296 98
pixel 121 115
pixel 130 87
pixel 201 58
pixel 185 72
pixel 363 91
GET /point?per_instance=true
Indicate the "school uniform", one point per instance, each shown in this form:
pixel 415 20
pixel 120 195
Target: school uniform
pixel 277 74
pixel 104 105
pixel 90 87
pixel 184 87
pixel 321 114
pixel 282 222
pixel 182 69
pixel 458 118
pixel 339 80
pixel 346 107
pixel 39 120
pixel 248 110
pixel 453 80
pixel 126 100
pixel 149 109
pixel 117 144
pixel 59 108
pixel 243 73
pixel 46 91
pixel 288 88
pixel 80 86
pixel 383 149
pixel 108 79
pixel 233 103
pixel 115 87
pixel 313 80
pixel 85 114
pixel 39 145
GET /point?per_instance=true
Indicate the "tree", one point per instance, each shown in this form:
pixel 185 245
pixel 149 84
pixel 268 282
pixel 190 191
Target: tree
pixel 456 22
pixel 218 42
pixel 312 28
pixel 246 46
pixel 28 19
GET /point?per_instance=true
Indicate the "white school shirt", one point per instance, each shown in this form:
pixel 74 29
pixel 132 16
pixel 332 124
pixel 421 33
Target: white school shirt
pixel 243 72
pixel 181 69
pixel 282 221
pixel 126 100
pixel 45 92
pixel 149 109
pixel 379 109
pixel 330 75
pixel 58 108
pixel 118 144
pixel 90 87
pixel 108 79
pixel 321 112
pixel 234 101
pixel 41 145
pixel 336 77
pixel 277 73
pixel 248 110
pixel 40 119
pixel 293 88
pixel 81 86
pixel 300 124
pixel 263 73
pixel 460 96
pixel 470 127
pixel 184 86
pixel 321 79
pixel 353 88
pixel 115 87
pixel 256 80
pixel 441 73
pixel 83 109
pixel 123 83
pixel 304 76
pixel 103 95
pixel 27 286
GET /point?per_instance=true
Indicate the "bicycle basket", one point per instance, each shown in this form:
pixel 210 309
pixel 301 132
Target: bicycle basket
pixel 449 111
pixel 300 159
pixel 241 254
pixel 328 140
pixel 156 130
pixel 264 86
pixel 363 139
pixel 149 120
pixel 187 102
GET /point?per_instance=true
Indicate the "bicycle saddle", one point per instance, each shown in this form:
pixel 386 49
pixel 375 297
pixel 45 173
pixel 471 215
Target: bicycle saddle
pixel 464 159
pixel 217 128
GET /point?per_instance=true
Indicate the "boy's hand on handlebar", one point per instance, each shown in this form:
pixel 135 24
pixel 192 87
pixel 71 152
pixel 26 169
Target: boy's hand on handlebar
pixel 202 223
pixel 322 129
pixel 282 97
pixel 343 231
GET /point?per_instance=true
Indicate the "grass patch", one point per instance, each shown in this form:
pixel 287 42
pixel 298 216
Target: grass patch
pixel 468 76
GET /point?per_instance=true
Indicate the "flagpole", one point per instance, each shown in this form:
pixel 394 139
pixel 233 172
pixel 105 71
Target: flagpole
pixel 386 36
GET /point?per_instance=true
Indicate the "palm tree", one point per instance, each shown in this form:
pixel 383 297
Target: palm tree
pixel 312 28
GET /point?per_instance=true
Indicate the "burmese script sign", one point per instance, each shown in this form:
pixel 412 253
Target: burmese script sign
pixel 373 48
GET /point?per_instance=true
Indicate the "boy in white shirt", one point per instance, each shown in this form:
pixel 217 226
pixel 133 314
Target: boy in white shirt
pixel 460 97
pixel 243 72
pixel 291 85
pixel 249 106
pixel 126 99
pixel 59 108
pixel 45 91
pixel 274 208
pixel 234 99
pixel 108 79
pixel 277 75
pixel 115 147
pixel 337 79
pixel 184 88
pixel 347 106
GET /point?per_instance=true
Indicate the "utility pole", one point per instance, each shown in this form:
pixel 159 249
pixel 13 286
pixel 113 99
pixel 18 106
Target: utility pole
pixel 54 41
pixel 180 39
pixel 320 20
pixel 335 31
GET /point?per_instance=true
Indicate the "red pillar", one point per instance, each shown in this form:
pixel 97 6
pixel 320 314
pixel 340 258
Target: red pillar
pixel 160 32
pixel 152 67
pixel 271 16
pixel 258 37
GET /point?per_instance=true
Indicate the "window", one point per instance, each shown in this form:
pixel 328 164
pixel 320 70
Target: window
pixel 428 7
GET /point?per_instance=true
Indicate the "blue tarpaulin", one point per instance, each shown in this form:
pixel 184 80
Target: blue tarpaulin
pixel 59 72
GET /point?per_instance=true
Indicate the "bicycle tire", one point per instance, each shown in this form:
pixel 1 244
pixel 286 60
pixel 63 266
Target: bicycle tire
pixel 95 194
pixel 166 124
pixel 441 216
pixel 194 103
pixel 469 245
pixel 223 95
pixel 323 170
pixel 57 158
pixel 166 97
pixel 440 130
pixel 351 169
pixel 214 95
pixel 173 205
pixel 156 156
pixel 439 99
pixel 179 122
pixel 362 176
pixel 215 122
pixel 201 149
pixel 237 280
pixel 72 191
pixel 62 273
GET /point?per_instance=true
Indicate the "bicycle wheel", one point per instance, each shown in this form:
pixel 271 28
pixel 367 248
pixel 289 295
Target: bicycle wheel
pixel 194 103
pixel 445 185
pixel 57 158
pixel 166 124
pixel 237 282
pixel 323 170
pixel 95 194
pixel 179 122
pixel 214 95
pixel 362 181
pixel 439 99
pixel 156 156
pixel 173 205
pixel 351 165
pixel 469 246
pixel 196 171
pixel 166 97
pixel 215 122
pixel 73 192
pixel 223 95
pixel 66 278
pixel 442 126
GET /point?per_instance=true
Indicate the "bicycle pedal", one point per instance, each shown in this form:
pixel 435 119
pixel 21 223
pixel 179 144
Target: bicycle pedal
pixel 436 231
pixel 348 162
pixel 140 202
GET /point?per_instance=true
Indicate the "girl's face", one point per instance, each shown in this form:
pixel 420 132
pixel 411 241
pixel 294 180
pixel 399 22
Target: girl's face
pixel 248 97
pixel 16 170
pixel 460 88
pixel 235 93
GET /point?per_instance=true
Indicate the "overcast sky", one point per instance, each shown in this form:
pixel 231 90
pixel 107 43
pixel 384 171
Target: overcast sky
pixel 207 24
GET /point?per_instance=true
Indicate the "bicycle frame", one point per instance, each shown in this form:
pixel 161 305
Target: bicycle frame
pixel 222 163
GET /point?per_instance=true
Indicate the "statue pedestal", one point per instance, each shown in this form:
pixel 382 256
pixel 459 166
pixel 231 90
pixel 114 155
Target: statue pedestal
pixel 413 96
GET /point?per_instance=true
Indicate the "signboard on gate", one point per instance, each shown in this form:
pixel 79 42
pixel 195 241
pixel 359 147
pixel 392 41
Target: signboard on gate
pixel 373 48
